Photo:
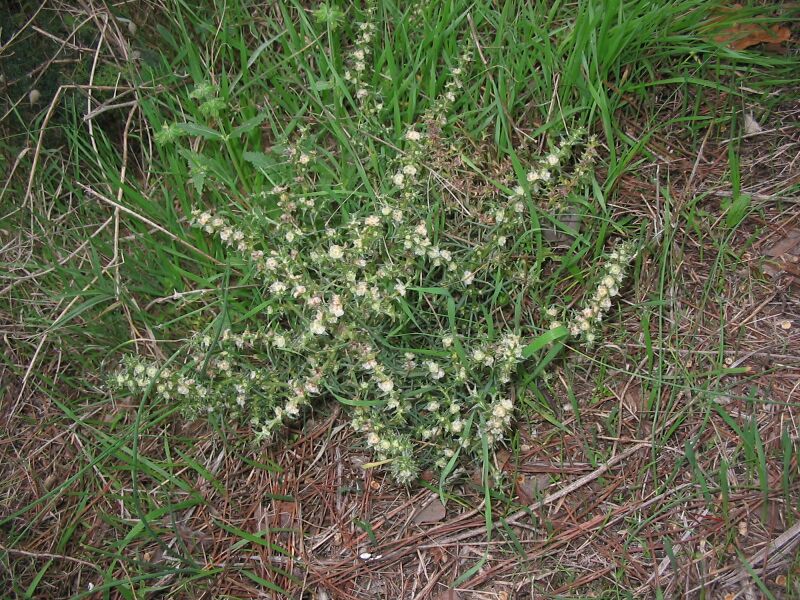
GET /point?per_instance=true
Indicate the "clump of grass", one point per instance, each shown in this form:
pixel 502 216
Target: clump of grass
pixel 407 306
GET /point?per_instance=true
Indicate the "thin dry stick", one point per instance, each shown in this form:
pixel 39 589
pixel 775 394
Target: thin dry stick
pixel 155 226
pixel 577 484
pixel 60 263
pixel 19 158
pixel 23 28
pixel 89 94
pixel 120 189
pixel 776 550
pixel 48 556
pixel 43 128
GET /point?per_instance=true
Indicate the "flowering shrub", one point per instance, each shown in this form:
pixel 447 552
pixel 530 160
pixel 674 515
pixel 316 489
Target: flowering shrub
pixel 391 307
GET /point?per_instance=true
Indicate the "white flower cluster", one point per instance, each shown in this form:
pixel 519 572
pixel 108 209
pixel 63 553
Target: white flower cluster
pixel 453 88
pixel 359 69
pixel 546 170
pixel 569 183
pixel 501 410
pixel 586 321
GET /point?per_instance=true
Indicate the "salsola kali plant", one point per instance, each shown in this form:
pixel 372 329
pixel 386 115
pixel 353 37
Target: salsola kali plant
pixel 383 305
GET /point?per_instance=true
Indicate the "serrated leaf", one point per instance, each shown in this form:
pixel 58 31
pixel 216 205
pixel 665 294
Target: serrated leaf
pixel 201 131
pixel 249 125
pixel 259 160
pixel 322 84
pixel 198 179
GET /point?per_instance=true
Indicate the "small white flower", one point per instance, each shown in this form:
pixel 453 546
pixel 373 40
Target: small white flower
pixel 317 327
pixel 400 289
pixel 362 93
pixel 398 179
pixel 447 341
pixel 387 385
pixel 499 411
pixel 279 341
pixel 468 277
pixel 410 170
pixel 413 136
pixel 277 287
pixel 435 370
pixel 304 159
pixel 533 176
pixel 336 252
pixel 372 221
pixel 552 160
pixel 336 308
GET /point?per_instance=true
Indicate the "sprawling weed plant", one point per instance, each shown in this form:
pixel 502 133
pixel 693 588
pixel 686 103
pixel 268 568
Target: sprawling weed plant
pixel 411 307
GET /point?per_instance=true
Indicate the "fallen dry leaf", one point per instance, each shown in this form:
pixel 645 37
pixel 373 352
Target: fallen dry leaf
pixel 448 595
pixel 751 126
pixel 784 255
pixel 788 244
pixel 528 486
pixel 432 513
pixel 285 514
pixel 741 33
